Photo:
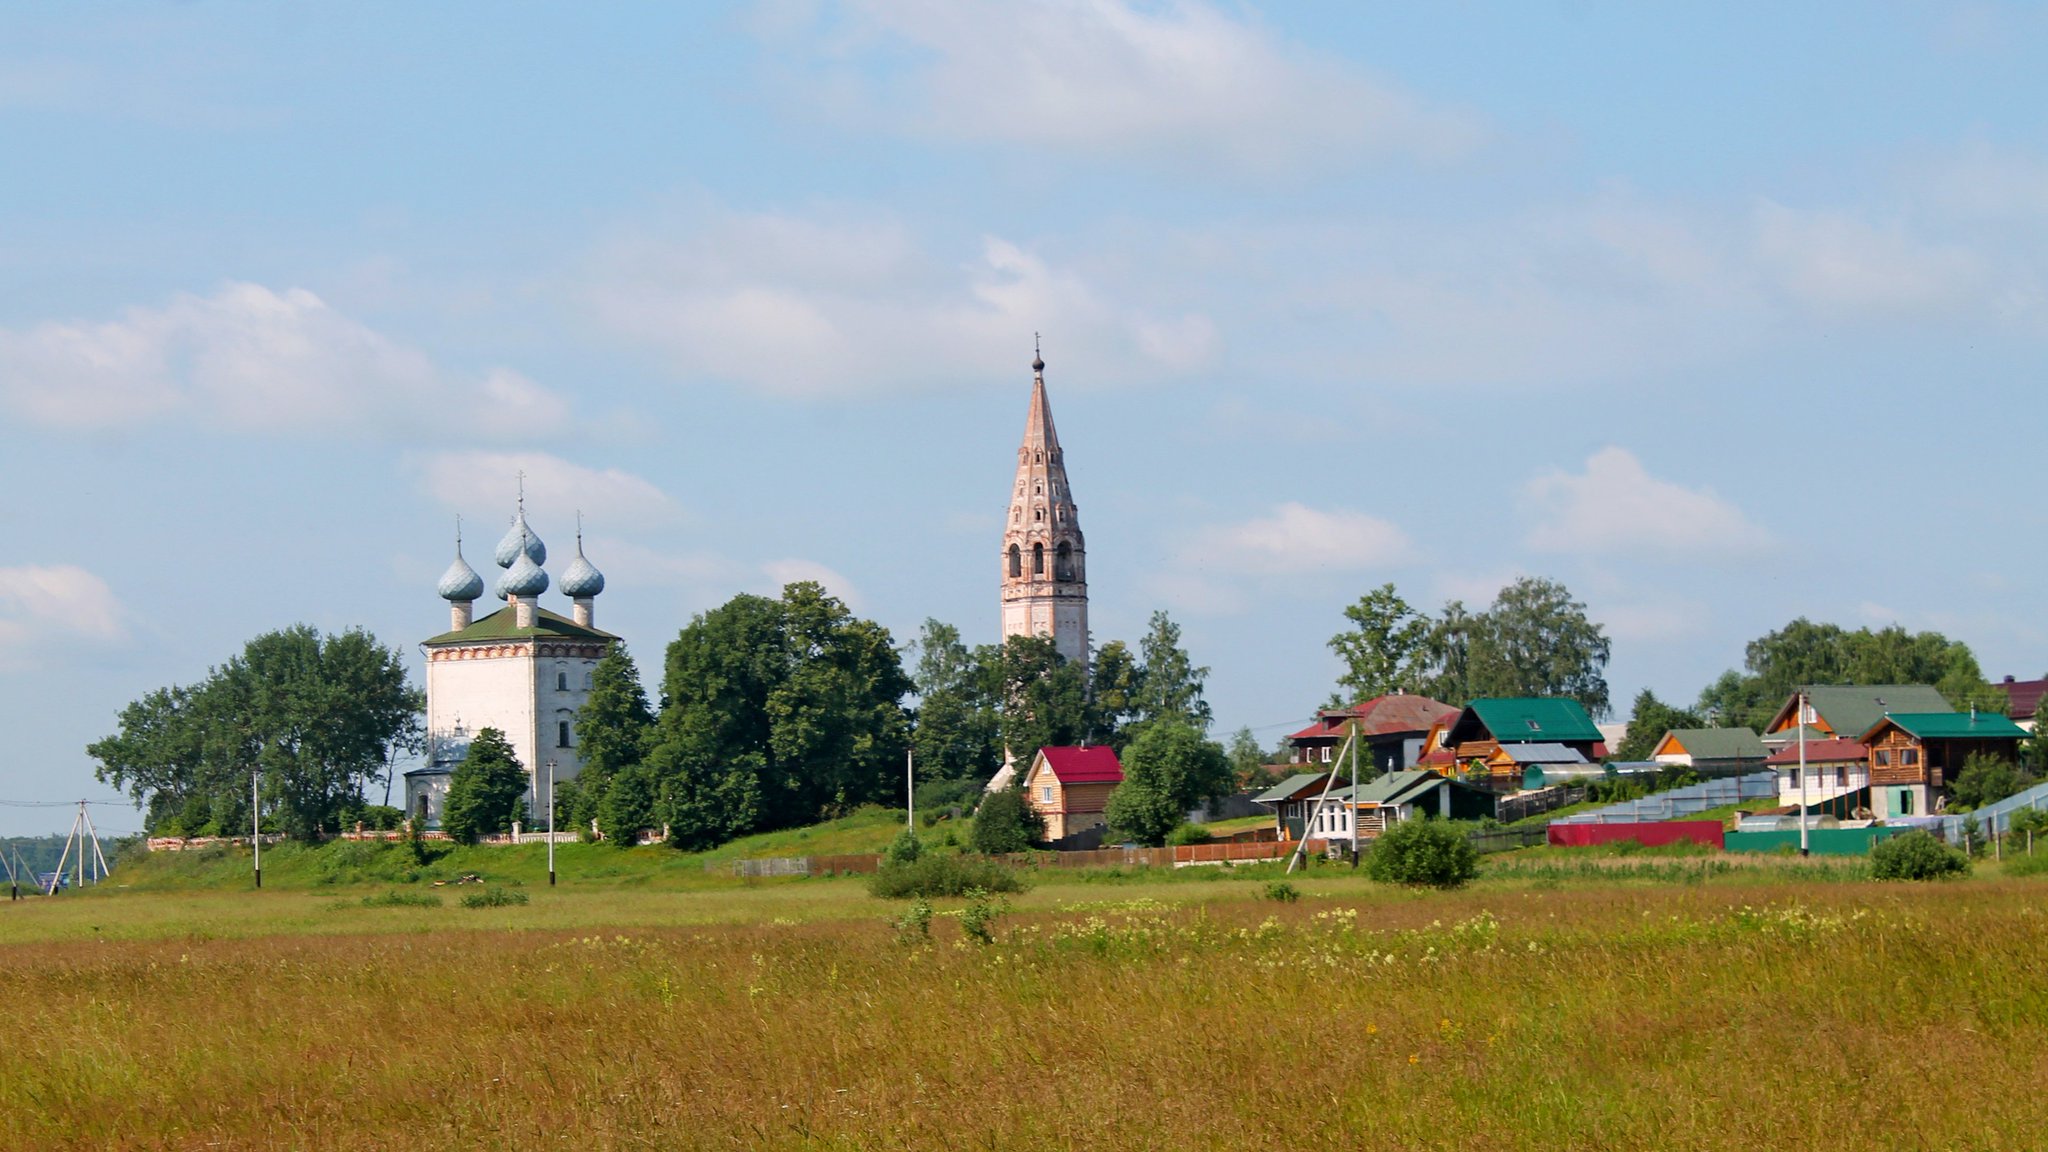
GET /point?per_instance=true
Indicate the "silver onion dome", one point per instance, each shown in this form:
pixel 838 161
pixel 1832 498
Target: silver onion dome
pixel 520 538
pixel 582 579
pixel 460 582
pixel 523 578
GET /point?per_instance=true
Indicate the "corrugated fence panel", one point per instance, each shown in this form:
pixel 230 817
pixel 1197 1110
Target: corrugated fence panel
pixel 1650 834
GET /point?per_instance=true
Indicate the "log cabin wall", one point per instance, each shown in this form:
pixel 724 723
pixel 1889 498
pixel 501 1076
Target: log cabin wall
pixel 1897 758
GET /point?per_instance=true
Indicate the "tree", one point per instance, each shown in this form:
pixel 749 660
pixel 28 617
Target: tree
pixel 1005 823
pixel 1169 769
pixel 613 727
pixel 1114 682
pixel 318 718
pixel 486 792
pixel 1169 683
pixel 1650 719
pixel 1248 760
pixel 1537 641
pixel 957 732
pixel 1422 851
pixel 628 806
pixel 1383 651
pixel 789 709
pixel 1987 780
pixel 1446 656
pixel 1778 664
pixel 1044 698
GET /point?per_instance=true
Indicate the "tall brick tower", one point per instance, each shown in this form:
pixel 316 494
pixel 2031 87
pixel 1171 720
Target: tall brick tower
pixel 1044 561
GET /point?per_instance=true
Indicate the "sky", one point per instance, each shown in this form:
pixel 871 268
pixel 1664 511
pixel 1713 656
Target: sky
pixel 1721 315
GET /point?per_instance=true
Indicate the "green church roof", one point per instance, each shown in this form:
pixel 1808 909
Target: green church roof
pixel 503 625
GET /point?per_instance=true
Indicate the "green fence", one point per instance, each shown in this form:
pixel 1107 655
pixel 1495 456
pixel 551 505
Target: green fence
pixel 1822 841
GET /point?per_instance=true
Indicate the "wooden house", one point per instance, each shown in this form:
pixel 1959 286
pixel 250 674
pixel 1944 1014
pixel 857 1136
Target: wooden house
pixel 1538 765
pixel 1846 711
pixel 1915 756
pixel 1835 770
pixel 1069 788
pixel 1712 751
pixel 1411 795
pixel 1393 728
pixel 1295 811
pixel 2023 700
pixel 1485 725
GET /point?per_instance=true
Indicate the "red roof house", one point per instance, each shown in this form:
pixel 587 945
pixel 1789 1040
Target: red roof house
pixel 1069 787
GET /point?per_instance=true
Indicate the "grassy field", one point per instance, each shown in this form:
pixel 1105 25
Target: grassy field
pixel 1564 1001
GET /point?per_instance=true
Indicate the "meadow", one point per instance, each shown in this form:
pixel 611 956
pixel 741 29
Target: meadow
pixel 1560 1002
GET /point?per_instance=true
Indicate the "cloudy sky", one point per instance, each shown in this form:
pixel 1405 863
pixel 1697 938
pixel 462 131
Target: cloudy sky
pixel 1720 315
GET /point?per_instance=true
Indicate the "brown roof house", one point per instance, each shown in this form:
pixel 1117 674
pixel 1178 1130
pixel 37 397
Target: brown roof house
pixel 1393 727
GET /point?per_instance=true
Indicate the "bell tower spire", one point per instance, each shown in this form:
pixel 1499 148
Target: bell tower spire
pixel 1044 559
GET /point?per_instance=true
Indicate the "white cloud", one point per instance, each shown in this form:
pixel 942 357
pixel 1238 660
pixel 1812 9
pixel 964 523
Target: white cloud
pixel 254 359
pixel 1186 81
pixel 1840 261
pixel 1615 506
pixel 483 485
pixel 40 603
pixel 1296 538
pixel 1647 623
pixel 781 572
pixel 855 305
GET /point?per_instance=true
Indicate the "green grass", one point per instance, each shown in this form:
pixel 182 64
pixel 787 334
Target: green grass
pixel 1236 824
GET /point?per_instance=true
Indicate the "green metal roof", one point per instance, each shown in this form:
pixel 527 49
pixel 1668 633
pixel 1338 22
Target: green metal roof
pixel 1527 720
pixel 1951 726
pixel 502 625
pixel 1286 789
pixel 1395 787
pixel 1852 709
pixel 1719 743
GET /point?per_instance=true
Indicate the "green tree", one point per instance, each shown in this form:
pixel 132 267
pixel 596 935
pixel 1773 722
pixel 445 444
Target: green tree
pixel 1383 651
pixel 628 806
pixel 1424 852
pixel 1044 698
pixel 319 718
pixel 1114 681
pixel 1446 656
pixel 1169 683
pixel 1169 769
pixel 1648 722
pixel 1005 823
pixel 794 706
pixel 1987 780
pixel 1537 641
pixel 1777 664
pixel 613 728
pixel 1248 761
pixel 487 790
pixel 957 733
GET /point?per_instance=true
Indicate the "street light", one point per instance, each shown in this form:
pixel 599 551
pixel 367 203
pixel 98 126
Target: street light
pixel 551 823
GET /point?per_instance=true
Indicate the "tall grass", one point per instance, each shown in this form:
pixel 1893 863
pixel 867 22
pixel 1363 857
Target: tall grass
pixel 1595 1015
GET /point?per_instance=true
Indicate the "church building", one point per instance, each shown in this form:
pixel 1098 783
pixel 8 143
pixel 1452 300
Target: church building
pixel 1044 559
pixel 522 670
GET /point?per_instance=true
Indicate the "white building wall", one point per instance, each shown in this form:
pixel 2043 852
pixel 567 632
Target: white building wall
pixel 528 697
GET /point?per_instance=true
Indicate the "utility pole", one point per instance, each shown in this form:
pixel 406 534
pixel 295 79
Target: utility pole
pixel 1800 717
pixel 551 823
pixel 256 823
pixel 910 790
pixel 1336 766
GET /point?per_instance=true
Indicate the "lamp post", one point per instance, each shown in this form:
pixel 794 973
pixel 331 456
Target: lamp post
pixel 1801 718
pixel 256 824
pixel 551 823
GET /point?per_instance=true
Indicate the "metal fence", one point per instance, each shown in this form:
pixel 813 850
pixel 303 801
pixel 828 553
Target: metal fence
pixel 1513 808
pixel 1680 803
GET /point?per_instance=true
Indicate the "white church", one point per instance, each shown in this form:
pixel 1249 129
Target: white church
pixel 522 670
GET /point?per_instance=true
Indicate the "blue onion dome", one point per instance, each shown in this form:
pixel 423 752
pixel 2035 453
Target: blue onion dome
pixel 582 579
pixel 523 578
pixel 520 538
pixel 460 582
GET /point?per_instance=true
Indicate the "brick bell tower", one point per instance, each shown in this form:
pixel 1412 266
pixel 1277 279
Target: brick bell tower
pixel 1044 560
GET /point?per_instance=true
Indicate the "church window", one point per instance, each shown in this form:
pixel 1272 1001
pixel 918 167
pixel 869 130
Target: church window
pixel 561 681
pixel 1016 561
pixel 561 734
pixel 1063 562
pixel 1038 559
pixel 1038 514
pixel 1039 489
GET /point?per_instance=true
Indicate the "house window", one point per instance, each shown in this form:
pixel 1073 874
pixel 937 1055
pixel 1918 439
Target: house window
pixel 1841 775
pixel 1045 794
pixel 1881 758
pixel 1795 777
pixel 1909 756
pixel 561 734
pixel 1326 753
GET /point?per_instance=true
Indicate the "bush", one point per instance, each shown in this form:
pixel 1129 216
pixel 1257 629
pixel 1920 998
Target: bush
pixel 2019 863
pixel 978 919
pixel 1422 851
pixel 1283 892
pixel 934 875
pixel 936 796
pixel 1987 780
pixel 1916 855
pixel 398 899
pixel 1188 834
pixel 492 898
pixel 904 849
pixel 1005 823
pixel 2027 820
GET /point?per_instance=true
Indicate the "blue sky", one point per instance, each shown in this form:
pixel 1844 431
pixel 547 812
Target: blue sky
pixel 1721 316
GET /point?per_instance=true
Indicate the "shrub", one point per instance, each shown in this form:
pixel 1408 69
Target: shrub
pixel 978 919
pixel 2019 863
pixel 398 899
pixel 935 875
pixel 1283 892
pixel 1005 823
pixel 1916 855
pixel 1188 834
pixel 916 925
pixel 936 796
pixel 1425 852
pixel 492 898
pixel 904 849
pixel 1987 780
pixel 2027 820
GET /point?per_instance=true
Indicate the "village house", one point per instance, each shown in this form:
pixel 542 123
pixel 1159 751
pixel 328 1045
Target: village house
pixel 1302 809
pixel 1846 711
pixel 1484 726
pixel 1836 775
pixel 2022 700
pixel 1069 788
pixel 1393 728
pixel 1915 756
pixel 1712 751
pixel 1295 812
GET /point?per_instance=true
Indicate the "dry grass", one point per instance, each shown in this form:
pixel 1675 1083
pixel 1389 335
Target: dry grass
pixel 1724 1015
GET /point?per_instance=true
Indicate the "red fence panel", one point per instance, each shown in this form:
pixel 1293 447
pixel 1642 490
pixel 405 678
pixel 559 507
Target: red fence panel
pixel 1650 834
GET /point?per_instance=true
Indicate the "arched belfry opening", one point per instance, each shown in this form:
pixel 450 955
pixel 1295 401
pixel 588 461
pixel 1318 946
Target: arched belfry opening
pixel 1016 562
pixel 1063 563
pixel 1038 559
